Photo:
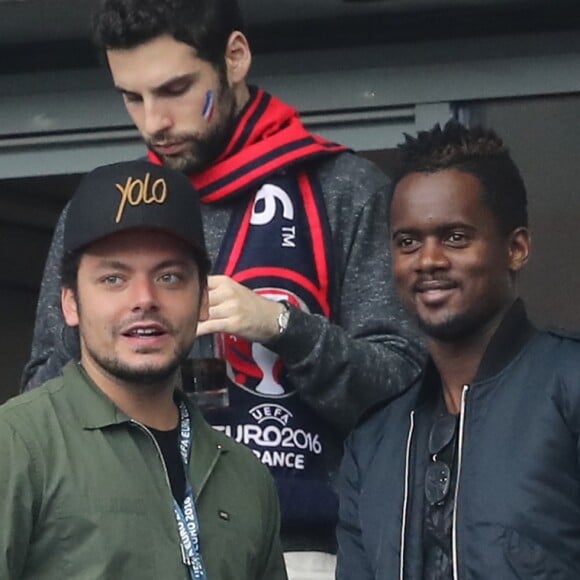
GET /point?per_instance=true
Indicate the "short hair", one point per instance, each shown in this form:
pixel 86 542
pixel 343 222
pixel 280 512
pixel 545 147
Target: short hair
pixel 476 151
pixel 70 262
pixel 69 269
pixel 206 25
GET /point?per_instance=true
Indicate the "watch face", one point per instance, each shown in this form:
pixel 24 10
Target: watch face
pixel 253 367
pixel 283 318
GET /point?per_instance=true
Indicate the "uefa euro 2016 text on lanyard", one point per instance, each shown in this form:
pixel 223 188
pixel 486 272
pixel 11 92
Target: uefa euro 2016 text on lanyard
pixel 187 522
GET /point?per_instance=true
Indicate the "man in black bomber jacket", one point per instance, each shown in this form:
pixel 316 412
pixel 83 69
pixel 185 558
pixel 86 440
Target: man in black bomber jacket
pixel 473 473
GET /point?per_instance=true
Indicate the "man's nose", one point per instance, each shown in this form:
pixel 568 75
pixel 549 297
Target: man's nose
pixel 143 294
pixel 432 255
pixel 157 117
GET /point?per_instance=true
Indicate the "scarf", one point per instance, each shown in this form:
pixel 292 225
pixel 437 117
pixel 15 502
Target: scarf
pixel 278 239
pixel 278 243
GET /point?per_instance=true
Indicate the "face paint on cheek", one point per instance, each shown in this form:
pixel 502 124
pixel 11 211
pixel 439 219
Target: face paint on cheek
pixel 208 106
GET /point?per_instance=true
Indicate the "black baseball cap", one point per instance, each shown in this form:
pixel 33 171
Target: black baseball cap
pixel 133 194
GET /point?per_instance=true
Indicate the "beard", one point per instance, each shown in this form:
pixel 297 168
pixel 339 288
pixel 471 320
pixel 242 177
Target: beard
pixel 202 150
pixel 457 327
pixel 450 330
pixel 147 375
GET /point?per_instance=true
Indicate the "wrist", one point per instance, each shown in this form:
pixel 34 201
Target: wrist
pixel 283 317
pixel 278 321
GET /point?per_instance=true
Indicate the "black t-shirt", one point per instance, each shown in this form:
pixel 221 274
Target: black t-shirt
pixel 168 442
pixel 438 517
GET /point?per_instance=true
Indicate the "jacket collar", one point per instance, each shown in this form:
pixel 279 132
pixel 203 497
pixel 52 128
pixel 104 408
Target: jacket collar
pixel 94 410
pixel 512 334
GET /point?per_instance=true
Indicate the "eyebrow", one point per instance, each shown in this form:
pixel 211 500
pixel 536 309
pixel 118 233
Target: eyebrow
pixel 175 262
pixel 403 231
pixel 111 264
pixel 191 76
pixel 108 264
pixel 440 229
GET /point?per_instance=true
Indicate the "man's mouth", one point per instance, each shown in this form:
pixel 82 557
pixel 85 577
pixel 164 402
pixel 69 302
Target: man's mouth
pixel 144 331
pixel 434 292
pixel 433 285
pixel 169 148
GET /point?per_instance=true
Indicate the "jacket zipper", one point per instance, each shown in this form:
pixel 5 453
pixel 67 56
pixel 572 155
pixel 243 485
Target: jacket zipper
pixel 207 475
pixel 159 453
pixel 406 496
pixel 459 461
pixel 167 480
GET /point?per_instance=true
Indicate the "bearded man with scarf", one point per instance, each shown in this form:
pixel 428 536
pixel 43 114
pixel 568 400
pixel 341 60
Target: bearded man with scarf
pixel 302 306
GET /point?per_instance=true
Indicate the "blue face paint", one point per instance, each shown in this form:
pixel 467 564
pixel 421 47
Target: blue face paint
pixel 207 110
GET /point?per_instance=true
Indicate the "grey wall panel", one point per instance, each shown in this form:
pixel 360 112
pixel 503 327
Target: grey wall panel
pixel 70 121
pixel 17 308
pixel 543 135
pixel 54 157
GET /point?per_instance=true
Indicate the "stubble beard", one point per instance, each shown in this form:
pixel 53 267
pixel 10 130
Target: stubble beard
pixel 452 329
pixel 457 327
pixel 203 150
pixel 146 375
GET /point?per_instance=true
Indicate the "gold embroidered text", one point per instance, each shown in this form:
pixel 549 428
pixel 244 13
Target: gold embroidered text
pixel 137 191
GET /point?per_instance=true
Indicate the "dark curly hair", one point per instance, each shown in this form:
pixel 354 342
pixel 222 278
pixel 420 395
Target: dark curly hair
pixel 205 25
pixel 476 151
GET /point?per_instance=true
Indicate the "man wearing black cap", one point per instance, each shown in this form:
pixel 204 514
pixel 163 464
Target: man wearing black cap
pixel 108 471
pixel 302 305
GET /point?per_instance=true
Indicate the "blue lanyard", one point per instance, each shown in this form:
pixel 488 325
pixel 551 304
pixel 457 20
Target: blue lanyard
pixel 187 522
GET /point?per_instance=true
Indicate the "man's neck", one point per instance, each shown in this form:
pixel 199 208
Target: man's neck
pixel 458 361
pixel 152 409
pixel 457 367
pixel 242 96
pixel 150 404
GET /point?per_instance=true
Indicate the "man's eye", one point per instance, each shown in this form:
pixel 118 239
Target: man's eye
pixel 176 90
pixel 132 98
pixel 170 278
pixel 457 238
pixel 407 243
pixel 112 280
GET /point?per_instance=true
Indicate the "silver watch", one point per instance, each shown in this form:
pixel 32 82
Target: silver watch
pixel 283 317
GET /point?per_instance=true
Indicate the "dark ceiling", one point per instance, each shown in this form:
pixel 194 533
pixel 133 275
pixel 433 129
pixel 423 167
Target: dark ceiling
pixel 53 34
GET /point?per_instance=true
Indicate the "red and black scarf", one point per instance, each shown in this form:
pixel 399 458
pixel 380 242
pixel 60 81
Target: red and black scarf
pixel 278 243
pixel 290 251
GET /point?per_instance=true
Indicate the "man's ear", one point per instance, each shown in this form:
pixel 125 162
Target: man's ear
pixel 69 305
pixel 204 304
pixel 520 244
pixel 238 58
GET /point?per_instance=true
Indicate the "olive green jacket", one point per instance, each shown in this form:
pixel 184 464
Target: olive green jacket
pixel 84 495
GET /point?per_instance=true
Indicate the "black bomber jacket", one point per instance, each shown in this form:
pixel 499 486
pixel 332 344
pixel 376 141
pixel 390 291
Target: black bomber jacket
pixel 517 504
